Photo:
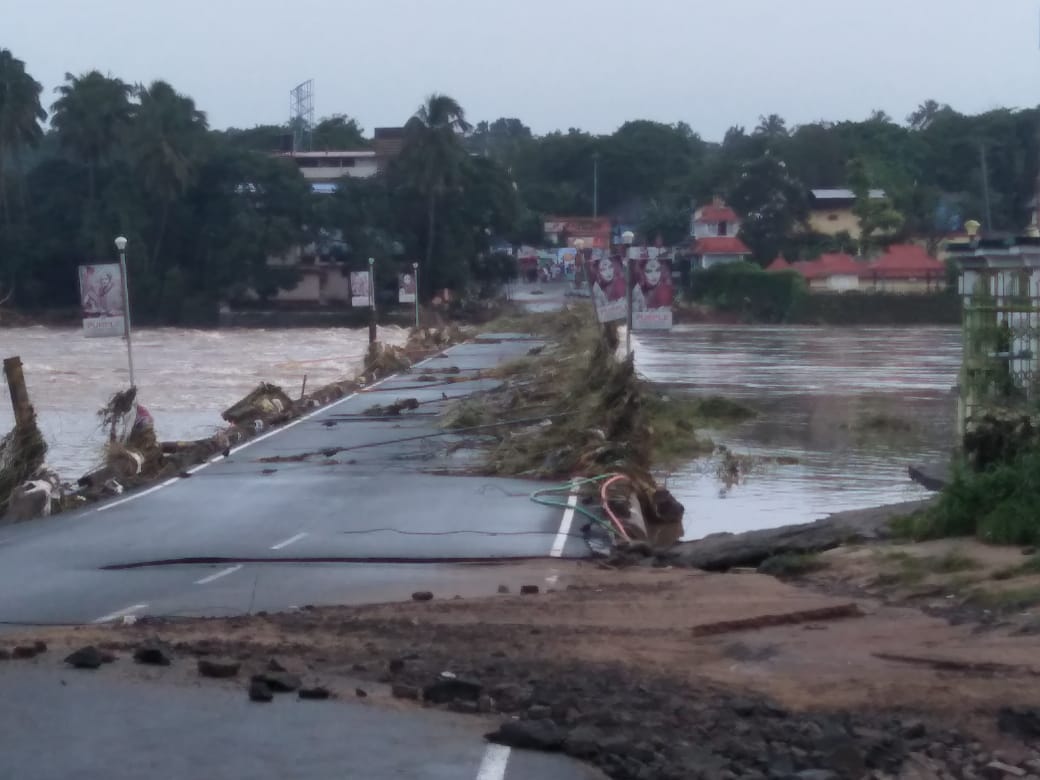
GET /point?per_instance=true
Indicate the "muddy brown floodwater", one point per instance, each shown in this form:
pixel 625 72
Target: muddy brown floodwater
pixel 845 410
pixel 186 377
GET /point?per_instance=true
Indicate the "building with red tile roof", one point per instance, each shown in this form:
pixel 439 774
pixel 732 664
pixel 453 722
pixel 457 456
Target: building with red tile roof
pixel 903 268
pixel 714 230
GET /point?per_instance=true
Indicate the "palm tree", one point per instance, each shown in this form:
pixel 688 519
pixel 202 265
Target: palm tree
pixel 20 117
pixel 164 144
pixel 90 118
pixel 434 146
pixel 772 127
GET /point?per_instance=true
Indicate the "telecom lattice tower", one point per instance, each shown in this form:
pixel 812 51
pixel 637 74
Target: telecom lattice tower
pixel 301 115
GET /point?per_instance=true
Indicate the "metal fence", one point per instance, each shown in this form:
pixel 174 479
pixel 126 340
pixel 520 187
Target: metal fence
pixel 1001 342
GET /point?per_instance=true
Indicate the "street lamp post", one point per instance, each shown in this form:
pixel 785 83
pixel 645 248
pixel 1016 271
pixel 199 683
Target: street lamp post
pixel 372 300
pixel 415 279
pixel 121 248
pixel 626 240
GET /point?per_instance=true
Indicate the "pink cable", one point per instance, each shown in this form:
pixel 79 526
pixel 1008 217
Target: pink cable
pixel 606 505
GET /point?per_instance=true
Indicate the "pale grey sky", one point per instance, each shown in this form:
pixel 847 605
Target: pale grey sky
pixel 552 63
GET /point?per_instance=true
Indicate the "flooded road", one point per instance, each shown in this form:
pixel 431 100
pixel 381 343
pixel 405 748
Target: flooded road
pixel 186 377
pixel 846 409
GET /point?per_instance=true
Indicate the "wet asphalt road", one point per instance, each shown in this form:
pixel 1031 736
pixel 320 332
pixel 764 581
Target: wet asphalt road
pixel 264 519
pixel 272 521
pixel 76 725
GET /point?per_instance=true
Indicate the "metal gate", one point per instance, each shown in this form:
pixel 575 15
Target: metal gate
pixel 1001 342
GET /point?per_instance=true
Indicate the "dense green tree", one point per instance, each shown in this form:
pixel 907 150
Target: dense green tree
pixel 501 140
pixel 430 163
pixel 338 132
pixel 878 219
pixel 773 204
pixel 262 138
pixel 20 118
pixel 667 221
pixel 165 144
pixel 90 118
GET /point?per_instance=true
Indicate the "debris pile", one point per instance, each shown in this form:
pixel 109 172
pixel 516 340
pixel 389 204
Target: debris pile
pixel 384 359
pixel 573 409
pixel 422 341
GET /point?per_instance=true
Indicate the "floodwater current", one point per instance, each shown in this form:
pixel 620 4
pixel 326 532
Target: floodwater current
pixel 185 377
pixel 842 412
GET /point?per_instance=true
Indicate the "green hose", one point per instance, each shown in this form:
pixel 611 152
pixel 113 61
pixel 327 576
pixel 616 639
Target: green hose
pixel 569 487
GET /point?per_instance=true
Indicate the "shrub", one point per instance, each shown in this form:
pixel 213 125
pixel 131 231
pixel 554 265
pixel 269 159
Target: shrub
pixel 1000 505
pixel 746 288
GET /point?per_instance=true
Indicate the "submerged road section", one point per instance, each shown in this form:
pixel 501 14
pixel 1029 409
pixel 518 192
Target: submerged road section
pixel 337 507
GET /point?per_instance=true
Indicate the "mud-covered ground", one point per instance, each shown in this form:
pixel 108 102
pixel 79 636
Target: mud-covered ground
pixel 660 673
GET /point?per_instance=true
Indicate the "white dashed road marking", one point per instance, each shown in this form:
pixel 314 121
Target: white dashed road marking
pixel 565 527
pixel 120 613
pixel 290 540
pixel 493 767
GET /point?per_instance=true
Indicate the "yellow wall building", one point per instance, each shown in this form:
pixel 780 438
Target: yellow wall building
pixel 830 211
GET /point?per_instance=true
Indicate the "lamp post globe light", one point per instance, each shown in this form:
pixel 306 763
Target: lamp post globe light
pixel 120 243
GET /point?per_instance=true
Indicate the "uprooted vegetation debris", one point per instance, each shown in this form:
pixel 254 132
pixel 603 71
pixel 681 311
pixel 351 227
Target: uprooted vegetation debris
pixel 22 453
pixel 573 409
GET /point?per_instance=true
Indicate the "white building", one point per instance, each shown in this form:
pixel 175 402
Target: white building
pixel 714 230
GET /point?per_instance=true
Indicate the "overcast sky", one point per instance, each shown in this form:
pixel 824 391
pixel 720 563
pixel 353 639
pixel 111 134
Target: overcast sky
pixel 553 63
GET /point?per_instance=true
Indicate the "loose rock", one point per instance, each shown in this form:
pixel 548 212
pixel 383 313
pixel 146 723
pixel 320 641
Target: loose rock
pixel 528 734
pixel 529 590
pixel 998 770
pixel 218 669
pixel 1021 721
pixel 258 691
pixel 317 693
pixel 279 682
pixel 447 689
pixel 88 657
pixel 23 652
pixel 422 595
pixel 152 654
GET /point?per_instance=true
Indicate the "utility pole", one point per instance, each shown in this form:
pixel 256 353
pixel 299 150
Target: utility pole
pixel 595 184
pixel 985 185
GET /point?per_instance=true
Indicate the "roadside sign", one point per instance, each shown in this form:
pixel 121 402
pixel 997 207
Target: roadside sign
pixel 101 300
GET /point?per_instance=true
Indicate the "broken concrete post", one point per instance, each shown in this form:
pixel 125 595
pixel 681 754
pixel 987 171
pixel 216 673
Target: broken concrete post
pixel 21 451
pixel 23 411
